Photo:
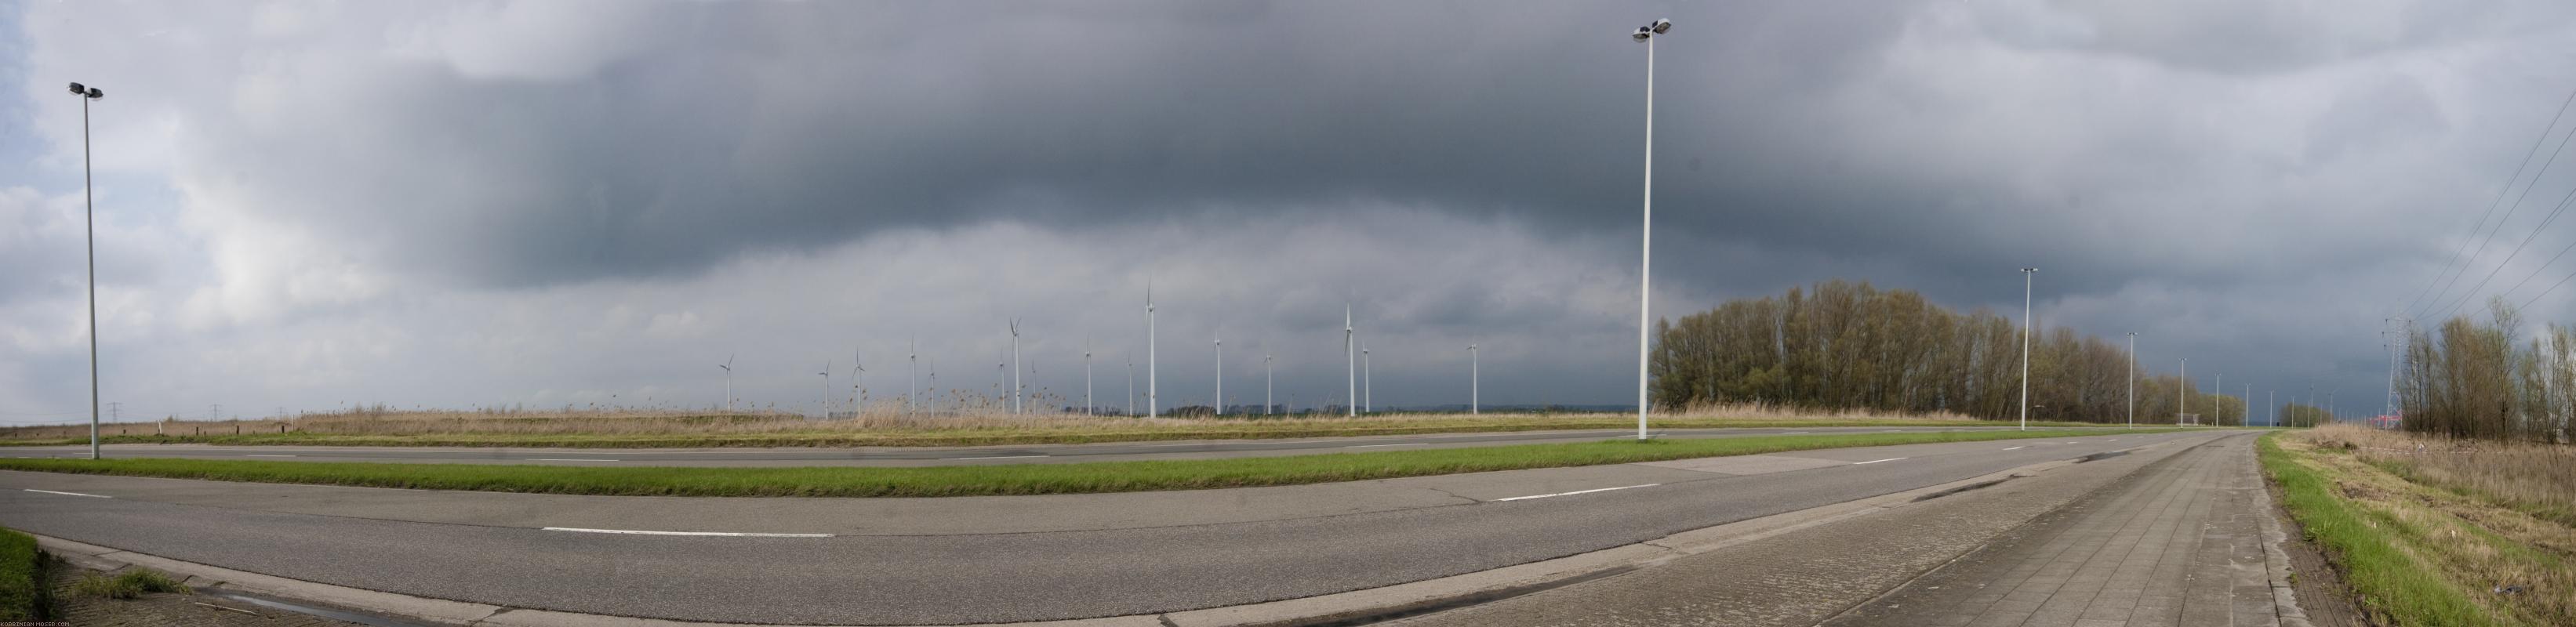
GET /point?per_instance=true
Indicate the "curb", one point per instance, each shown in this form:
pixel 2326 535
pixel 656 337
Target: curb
pixel 1353 607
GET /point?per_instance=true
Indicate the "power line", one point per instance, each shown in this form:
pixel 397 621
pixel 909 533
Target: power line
pixel 2499 199
pixel 2517 248
pixel 2500 222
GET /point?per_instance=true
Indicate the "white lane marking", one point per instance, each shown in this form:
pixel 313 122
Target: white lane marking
pixel 1877 461
pixel 1375 445
pixel 1893 431
pixel 993 457
pixel 95 496
pixel 1792 432
pixel 1541 496
pixel 1181 444
pixel 268 456
pixel 693 533
pixel 2016 448
pixel 559 459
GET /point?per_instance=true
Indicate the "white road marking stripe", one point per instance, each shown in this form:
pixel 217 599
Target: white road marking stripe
pixel 268 456
pixel 993 457
pixel 555 459
pixel 95 496
pixel 1541 496
pixel 694 533
pixel 2016 448
pixel 1371 445
pixel 1180 444
pixel 1792 432
pixel 1878 460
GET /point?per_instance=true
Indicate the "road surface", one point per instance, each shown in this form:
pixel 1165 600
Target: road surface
pixel 987 559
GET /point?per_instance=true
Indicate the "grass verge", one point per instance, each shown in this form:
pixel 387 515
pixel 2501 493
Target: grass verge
pixel 1094 477
pixel 2419 555
pixel 127 585
pixel 22 579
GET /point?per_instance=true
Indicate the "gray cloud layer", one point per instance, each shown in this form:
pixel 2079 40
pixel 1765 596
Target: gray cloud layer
pixel 359 195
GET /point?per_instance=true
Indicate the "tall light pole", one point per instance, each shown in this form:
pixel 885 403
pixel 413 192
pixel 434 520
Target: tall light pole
pixel 1368 384
pixel 2272 408
pixel 1266 407
pixel 2026 327
pixel 89 239
pixel 2247 420
pixel 2217 394
pixel 1646 253
pixel 1086 378
pixel 1474 379
pixel 2182 386
pixel 827 389
pixel 1131 385
pixel 2133 380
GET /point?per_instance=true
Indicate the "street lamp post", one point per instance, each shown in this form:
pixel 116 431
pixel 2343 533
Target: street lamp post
pixel 2133 380
pixel 89 238
pixel 2026 327
pixel 1475 378
pixel 2182 388
pixel 1646 255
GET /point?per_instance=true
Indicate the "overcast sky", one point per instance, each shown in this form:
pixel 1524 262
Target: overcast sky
pixel 307 205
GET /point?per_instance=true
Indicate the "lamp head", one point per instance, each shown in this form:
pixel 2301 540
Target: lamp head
pixel 77 89
pixel 1661 26
pixel 2030 269
pixel 95 94
pixel 1644 32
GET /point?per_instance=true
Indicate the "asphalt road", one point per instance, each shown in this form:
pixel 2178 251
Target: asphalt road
pixel 1134 568
pixel 913 456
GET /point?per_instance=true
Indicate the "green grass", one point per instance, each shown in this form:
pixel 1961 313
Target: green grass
pixel 1212 430
pixel 22 575
pixel 1094 477
pixel 2390 582
pixel 127 585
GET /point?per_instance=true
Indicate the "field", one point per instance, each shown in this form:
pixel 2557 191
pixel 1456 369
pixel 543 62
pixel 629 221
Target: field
pixel 1092 477
pixel 2437 532
pixel 664 428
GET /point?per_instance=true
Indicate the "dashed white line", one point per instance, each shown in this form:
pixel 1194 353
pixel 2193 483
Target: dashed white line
pixel 95 496
pixel 255 455
pixel 1792 432
pixel 1877 461
pixel 693 533
pixel 556 459
pixel 1377 445
pixel 992 457
pixel 2016 448
pixel 1541 496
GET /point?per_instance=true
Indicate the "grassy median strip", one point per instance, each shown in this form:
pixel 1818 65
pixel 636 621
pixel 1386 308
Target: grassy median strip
pixel 611 434
pixel 2419 555
pixel 22 592
pixel 1093 477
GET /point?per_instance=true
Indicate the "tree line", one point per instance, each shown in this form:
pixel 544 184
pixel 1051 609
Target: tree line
pixel 1841 346
pixel 2470 378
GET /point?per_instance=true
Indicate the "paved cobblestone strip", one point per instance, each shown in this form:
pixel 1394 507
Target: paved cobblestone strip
pixel 2179 543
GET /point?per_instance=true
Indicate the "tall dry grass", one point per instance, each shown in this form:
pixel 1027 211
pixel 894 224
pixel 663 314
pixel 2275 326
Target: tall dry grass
pixel 2536 478
pixel 961 416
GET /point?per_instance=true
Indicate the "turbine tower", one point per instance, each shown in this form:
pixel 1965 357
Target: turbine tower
pixel 1015 365
pixel 1474 379
pixel 728 370
pixel 1152 408
pixel 1349 369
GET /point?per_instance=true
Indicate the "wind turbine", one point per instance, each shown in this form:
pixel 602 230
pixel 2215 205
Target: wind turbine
pixel 1348 371
pixel 1151 404
pixel 728 369
pixel 1220 376
pixel 1015 365
pixel 1474 376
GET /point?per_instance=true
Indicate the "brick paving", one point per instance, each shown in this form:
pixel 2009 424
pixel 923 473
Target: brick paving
pixel 2180 543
